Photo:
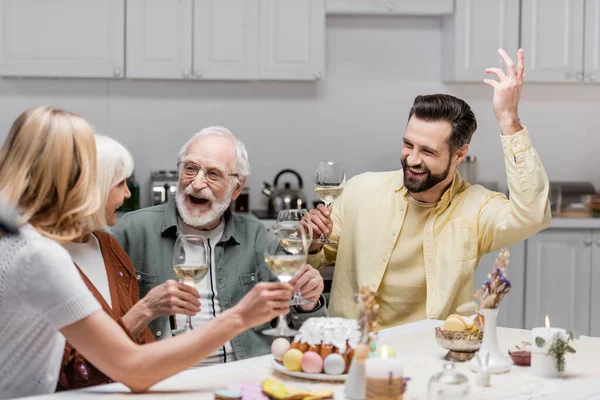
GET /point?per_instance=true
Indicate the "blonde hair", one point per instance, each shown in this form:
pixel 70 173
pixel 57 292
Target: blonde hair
pixel 48 170
pixel 114 164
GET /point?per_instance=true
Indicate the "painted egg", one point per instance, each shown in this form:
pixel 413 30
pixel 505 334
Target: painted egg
pixel 334 364
pixel 279 347
pixel 312 363
pixel 292 360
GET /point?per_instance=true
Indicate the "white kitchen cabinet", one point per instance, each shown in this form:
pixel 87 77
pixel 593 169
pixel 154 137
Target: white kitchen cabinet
pixel 390 7
pixel 292 39
pixel 595 303
pixel 592 41
pixel 552 35
pixel 473 34
pixel 62 38
pixel 159 39
pixel 559 272
pixel 226 39
pixel 511 312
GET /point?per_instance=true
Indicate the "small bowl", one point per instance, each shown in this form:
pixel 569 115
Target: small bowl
pixel 461 346
pixel 521 358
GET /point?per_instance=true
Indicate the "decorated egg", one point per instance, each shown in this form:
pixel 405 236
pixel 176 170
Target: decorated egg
pixel 312 363
pixel 279 347
pixel 292 360
pixel 334 364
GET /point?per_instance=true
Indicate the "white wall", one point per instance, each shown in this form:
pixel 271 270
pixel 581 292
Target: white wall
pixel 357 114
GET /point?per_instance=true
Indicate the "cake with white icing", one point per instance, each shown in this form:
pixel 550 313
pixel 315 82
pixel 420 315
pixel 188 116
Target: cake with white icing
pixel 326 336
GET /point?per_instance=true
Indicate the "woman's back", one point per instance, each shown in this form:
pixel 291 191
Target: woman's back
pixel 40 292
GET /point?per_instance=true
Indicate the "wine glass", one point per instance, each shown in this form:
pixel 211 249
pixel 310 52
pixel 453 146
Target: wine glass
pixel 286 249
pixel 190 264
pixel 293 218
pixel 330 179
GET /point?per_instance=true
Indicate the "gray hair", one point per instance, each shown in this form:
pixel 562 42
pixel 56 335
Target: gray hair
pixel 114 164
pixel 242 164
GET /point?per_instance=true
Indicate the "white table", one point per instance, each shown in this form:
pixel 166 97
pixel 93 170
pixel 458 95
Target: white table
pixel 415 343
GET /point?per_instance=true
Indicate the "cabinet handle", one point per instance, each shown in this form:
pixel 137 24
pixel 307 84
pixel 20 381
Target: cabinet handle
pixel 598 242
pixel 587 241
pixel 590 77
pixel 116 72
pixel 185 73
pixel 579 76
pixel 198 74
pixel 318 75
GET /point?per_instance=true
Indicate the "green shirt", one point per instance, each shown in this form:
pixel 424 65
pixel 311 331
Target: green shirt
pixel 148 237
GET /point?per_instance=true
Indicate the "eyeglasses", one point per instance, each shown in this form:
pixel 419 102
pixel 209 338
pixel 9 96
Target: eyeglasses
pixel 190 170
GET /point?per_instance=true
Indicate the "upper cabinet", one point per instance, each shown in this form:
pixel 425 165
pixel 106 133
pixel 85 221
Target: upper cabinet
pixel 226 39
pixel 390 7
pixel 553 37
pixel 292 44
pixel 159 39
pixel 474 33
pixel 62 38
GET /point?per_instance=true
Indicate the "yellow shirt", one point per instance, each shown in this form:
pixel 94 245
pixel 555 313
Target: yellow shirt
pixel 403 289
pixel 468 222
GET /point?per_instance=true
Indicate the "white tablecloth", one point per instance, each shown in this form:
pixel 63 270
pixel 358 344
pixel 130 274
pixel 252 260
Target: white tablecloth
pixel 415 344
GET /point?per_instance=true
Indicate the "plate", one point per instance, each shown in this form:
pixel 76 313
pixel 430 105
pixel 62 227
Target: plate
pixel 317 377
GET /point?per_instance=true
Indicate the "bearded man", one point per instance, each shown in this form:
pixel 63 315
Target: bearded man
pixel 213 167
pixel 417 234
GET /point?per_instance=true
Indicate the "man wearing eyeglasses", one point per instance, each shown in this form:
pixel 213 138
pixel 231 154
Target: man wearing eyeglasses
pixel 213 167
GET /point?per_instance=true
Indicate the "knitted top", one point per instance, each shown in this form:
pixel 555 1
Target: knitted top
pixel 40 292
pixel 76 371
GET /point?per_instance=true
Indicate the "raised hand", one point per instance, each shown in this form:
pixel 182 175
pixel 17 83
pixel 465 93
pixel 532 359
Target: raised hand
pixel 507 91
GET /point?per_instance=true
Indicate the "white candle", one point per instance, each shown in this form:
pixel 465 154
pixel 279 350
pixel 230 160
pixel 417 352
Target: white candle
pixel 542 365
pixel 384 368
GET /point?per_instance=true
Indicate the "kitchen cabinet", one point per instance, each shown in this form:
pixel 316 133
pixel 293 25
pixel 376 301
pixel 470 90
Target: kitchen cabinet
pixel 292 39
pixel 511 311
pixel 62 38
pixel 595 302
pixel 390 7
pixel 559 278
pixel 553 39
pixel 226 39
pixel 473 34
pixel 159 39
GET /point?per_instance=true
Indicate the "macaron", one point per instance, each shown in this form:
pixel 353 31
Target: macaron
pixel 455 323
pixel 312 363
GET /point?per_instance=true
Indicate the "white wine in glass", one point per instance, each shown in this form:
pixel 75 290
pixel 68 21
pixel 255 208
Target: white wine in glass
pixel 329 181
pixel 286 250
pixel 291 219
pixel 190 265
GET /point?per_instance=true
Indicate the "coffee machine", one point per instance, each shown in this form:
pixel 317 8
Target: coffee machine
pixel 163 185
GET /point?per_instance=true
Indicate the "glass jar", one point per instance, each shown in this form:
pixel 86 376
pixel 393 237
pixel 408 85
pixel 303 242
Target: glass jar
pixel 450 384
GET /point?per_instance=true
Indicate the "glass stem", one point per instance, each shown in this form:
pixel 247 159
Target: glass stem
pixel 188 323
pixel 282 324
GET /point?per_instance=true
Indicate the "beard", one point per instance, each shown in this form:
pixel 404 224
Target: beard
pixel 418 186
pixel 195 218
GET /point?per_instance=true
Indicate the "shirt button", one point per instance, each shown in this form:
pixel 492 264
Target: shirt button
pixel 295 317
pixel 252 278
pixel 158 333
pixel 138 277
pixel 374 286
pixel 393 233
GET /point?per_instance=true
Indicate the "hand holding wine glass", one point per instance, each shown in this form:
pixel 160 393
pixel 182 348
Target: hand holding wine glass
pixel 329 180
pixel 190 264
pixel 286 249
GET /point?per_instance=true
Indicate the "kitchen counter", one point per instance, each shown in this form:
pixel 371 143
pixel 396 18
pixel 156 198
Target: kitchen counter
pixel 574 223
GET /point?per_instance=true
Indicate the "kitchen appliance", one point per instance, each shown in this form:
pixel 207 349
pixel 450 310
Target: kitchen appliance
pixel 163 185
pixel 286 197
pixel 242 203
pixel 567 197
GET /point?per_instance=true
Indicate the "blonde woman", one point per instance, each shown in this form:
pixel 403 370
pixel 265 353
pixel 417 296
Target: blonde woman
pixel 48 170
pixel 108 273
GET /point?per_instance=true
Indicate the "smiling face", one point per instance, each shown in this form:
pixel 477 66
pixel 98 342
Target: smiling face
pixel 202 200
pixel 116 197
pixel 427 162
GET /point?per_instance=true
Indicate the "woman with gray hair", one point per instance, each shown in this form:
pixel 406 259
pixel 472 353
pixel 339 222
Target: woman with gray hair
pixel 109 274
